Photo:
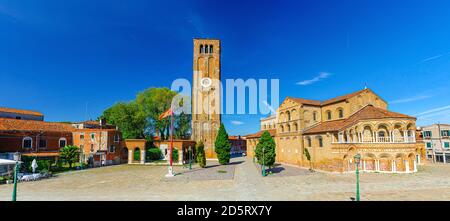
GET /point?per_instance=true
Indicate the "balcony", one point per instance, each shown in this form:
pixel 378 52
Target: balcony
pixel 377 140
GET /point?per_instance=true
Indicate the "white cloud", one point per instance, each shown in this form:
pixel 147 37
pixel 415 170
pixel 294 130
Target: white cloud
pixel 322 75
pixel 410 99
pixel 235 122
pixel 434 111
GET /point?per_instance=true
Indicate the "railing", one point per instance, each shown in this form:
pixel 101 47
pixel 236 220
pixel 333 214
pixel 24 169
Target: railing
pixel 379 140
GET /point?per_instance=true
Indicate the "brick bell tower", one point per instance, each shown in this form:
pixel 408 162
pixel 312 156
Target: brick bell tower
pixel 206 93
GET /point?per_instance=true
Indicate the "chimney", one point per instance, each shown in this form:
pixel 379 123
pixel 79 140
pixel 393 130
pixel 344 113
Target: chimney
pixel 102 122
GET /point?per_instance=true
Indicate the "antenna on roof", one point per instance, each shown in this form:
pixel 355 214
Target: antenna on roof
pixel 86 113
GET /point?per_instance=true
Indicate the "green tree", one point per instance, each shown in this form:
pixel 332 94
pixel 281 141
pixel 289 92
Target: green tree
pixel 200 154
pixel 223 146
pixel 69 154
pixel 266 148
pixel 308 157
pixel 152 103
pixel 127 116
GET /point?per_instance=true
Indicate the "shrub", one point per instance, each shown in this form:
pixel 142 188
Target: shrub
pixel 200 154
pixel 223 146
pixel 43 165
pixel 154 154
pixel 175 155
pixel 70 154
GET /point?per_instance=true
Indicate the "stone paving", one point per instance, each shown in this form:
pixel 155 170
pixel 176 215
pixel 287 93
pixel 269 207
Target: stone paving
pixel 240 181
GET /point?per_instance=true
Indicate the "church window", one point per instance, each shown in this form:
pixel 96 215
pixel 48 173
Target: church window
pixel 201 49
pixel 211 49
pixel 320 140
pixel 341 113
pixel 329 115
pixel 315 116
pixel 206 49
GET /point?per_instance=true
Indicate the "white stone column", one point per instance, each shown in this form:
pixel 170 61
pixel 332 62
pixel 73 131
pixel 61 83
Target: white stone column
pixel 415 165
pixel 180 156
pixel 405 136
pixel 394 166
pixel 443 156
pixel 373 137
pixel 364 165
pixel 142 156
pixel 377 165
pixel 406 165
pixel 130 156
pixel 393 136
pixel 413 135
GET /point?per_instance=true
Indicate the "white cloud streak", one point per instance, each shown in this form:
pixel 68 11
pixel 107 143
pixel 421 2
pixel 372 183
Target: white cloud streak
pixel 235 122
pixel 322 75
pixel 432 58
pixel 434 111
pixel 410 99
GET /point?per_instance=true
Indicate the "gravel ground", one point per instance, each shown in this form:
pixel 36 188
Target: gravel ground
pixel 240 181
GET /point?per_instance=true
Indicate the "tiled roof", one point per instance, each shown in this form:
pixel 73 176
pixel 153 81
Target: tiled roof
pixel 326 102
pixel 305 101
pixel 31 125
pixel 258 134
pixel 366 113
pixel 18 111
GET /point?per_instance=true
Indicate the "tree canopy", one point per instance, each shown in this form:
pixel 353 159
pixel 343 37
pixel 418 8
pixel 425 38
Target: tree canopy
pixel 223 146
pixel 265 150
pixel 139 118
pixel 127 116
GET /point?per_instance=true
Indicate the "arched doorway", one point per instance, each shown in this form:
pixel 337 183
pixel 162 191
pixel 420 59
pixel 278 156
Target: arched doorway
pixel 124 155
pixel 137 154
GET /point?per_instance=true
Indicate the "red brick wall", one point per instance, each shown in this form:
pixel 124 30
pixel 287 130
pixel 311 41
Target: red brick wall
pixel 12 141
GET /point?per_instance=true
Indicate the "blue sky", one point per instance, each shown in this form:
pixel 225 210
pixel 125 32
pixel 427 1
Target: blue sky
pixel 56 56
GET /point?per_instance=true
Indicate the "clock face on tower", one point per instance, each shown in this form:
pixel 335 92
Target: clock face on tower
pixel 206 82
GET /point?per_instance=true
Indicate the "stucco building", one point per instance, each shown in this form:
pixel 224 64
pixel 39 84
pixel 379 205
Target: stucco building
pixel 335 130
pixel 100 143
pixel 436 140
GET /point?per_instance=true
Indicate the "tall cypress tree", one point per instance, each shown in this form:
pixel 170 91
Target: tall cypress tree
pixel 223 146
pixel 266 144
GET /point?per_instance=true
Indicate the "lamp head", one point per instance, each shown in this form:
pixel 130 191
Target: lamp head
pixel 357 158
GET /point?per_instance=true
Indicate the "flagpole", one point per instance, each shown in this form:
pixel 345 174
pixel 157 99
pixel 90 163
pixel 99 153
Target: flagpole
pixel 170 173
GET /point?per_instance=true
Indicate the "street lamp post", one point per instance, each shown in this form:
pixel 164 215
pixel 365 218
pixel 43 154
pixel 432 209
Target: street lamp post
pixel 190 158
pixel 16 171
pixel 357 161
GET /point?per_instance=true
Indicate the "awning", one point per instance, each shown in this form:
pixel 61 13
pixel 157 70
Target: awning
pixel 7 162
pixel 41 154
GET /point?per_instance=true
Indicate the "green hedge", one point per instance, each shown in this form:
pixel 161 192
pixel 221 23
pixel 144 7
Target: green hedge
pixel 154 154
